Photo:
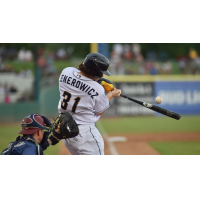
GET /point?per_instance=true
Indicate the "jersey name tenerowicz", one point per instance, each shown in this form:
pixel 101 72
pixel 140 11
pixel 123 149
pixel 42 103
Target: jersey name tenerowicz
pixel 81 96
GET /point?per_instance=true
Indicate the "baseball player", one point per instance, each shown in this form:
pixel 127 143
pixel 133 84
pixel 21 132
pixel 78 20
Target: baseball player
pixel 84 98
pixel 34 139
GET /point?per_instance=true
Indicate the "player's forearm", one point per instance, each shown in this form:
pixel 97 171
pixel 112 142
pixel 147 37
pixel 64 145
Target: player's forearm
pixel 109 96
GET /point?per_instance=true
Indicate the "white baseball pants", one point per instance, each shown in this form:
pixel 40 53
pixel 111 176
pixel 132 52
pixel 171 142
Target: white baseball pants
pixel 88 142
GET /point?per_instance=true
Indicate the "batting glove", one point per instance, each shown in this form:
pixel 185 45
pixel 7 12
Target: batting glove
pixel 108 86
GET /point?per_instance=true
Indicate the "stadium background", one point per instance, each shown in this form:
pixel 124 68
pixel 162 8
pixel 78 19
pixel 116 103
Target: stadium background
pixel 29 75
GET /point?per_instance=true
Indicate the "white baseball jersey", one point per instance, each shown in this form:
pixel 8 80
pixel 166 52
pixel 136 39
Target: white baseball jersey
pixel 81 96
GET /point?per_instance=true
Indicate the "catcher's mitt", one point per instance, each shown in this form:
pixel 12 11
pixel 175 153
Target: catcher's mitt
pixel 68 128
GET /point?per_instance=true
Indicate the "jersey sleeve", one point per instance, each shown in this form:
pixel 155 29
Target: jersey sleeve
pixel 102 103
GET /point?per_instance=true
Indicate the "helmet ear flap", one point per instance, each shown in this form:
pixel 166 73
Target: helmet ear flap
pixel 47 122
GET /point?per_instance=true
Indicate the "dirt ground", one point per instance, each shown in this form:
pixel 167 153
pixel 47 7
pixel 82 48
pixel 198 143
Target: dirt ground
pixel 138 144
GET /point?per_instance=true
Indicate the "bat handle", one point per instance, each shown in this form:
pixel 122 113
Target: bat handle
pixel 121 95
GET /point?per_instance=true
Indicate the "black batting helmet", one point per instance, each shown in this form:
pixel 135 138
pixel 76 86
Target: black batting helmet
pixel 97 64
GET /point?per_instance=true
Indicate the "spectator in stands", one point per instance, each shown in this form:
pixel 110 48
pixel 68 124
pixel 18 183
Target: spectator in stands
pixel 22 98
pixel 167 67
pixel 157 67
pixel 151 56
pixel 42 62
pixel 154 69
pixel 12 53
pixel 21 54
pixel 61 54
pixel 25 55
pixel 13 89
pixel 127 52
pixel 7 93
pixel 3 52
pixel 6 68
pixel 136 49
pixel 148 66
pixel 25 72
pixel 193 55
pixel 163 56
pixel 1 64
pixel 118 48
pixel 141 70
pixel 2 90
pixel 7 53
pixel 28 55
pixel 116 63
pixel 182 66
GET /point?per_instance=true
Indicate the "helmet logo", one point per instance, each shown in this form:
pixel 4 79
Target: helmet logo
pixel 98 61
pixel 27 121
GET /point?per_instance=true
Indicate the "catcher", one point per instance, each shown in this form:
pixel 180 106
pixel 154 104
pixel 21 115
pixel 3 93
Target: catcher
pixel 38 133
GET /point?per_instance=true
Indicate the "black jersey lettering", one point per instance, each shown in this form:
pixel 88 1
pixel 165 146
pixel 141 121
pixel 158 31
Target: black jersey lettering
pixel 94 95
pixel 83 86
pixel 87 89
pixel 90 91
pixel 78 84
pixel 73 81
pixel 61 78
pixel 69 79
pixel 65 78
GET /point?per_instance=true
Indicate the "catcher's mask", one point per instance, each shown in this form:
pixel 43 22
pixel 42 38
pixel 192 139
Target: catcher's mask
pixel 97 64
pixel 34 122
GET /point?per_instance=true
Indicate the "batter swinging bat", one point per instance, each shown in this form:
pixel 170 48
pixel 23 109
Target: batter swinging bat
pixel 155 108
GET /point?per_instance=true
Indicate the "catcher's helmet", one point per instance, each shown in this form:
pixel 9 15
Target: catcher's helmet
pixel 97 64
pixel 31 123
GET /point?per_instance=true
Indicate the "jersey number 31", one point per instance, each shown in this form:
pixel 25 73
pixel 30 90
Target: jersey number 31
pixel 67 96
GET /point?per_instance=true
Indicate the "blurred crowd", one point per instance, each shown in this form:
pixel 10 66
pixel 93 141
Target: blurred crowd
pixel 124 59
pixel 10 53
pixel 48 73
pixel 7 90
pixel 44 60
pixel 189 64
pixel 128 59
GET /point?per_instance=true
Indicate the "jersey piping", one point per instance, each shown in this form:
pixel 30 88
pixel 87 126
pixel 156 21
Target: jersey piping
pixel 103 110
pixel 95 140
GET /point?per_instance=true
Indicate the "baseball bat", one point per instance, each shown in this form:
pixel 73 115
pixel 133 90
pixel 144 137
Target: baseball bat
pixel 154 108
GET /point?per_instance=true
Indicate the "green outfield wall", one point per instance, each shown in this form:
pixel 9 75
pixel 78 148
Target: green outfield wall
pixel 47 106
pixel 48 101
pixel 17 111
